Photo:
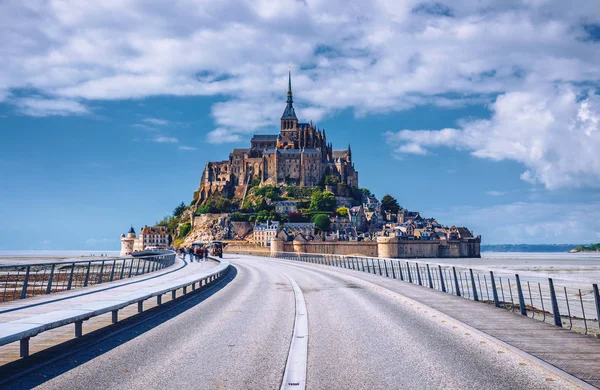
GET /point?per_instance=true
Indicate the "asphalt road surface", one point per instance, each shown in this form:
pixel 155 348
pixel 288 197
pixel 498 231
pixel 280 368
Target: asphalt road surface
pixel 238 335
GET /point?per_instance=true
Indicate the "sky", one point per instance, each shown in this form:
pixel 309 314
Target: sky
pixel 476 112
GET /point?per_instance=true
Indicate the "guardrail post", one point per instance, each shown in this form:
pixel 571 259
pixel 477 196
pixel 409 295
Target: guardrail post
pixel 408 272
pixel 362 262
pixel 475 297
pixel 429 276
pixel 456 282
pixel 25 283
pixel 442 278
pixel 137 269
pixel 101 273
pixel 522 306
pixel 87 274
pixel 24 347
pixel 555 311
pixel 159 300
pixel 49 288
pixel 174 293
pixel 387 275
pixel 400 270
pixel 115 316
pixel 112 272
pixel 418 273
pixel 78 328
pixel 71 277
pixel 140 306
pixel 597 299
pixel 494 290
pixel 379 265
pixel 393 271
pixel 130 268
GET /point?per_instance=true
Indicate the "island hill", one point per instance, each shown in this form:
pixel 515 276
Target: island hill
pixel 293 192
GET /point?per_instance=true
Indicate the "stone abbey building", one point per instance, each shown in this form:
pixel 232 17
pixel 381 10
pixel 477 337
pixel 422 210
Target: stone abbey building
pixel 299 155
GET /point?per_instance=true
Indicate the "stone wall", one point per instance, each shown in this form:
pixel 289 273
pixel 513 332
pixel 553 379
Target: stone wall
pixel 385 247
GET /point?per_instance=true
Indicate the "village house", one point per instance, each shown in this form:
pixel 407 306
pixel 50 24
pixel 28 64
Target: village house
pixel 286 207
pixel 265 232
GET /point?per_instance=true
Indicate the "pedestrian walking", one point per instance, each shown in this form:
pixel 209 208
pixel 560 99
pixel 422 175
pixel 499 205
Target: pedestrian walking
pixel 191 250
pixel 205 254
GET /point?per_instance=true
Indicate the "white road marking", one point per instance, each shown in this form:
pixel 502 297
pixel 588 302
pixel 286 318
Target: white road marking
pixel 294 376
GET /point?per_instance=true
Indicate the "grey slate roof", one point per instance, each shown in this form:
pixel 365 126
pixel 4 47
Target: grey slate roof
pixel 265 137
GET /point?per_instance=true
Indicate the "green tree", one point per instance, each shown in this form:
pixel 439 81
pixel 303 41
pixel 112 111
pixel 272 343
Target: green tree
pixel 390 203
pixel 365 191
pixel 323 201
pixel 179 210
pixel 322 222
pixel 185 229
pixel 342 211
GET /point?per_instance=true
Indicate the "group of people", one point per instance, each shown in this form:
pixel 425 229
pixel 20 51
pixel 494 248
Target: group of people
pixel 199 253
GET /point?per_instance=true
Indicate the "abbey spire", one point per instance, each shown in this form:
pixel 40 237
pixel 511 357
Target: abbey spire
pixel 289 112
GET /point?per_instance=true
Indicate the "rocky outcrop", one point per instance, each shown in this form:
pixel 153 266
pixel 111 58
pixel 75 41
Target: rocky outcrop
pixel 208 227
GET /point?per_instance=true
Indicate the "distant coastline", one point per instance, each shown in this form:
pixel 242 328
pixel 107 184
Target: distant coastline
pixel 547 248
pixel 586 248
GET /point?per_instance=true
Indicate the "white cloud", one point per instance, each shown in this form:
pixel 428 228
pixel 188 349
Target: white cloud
pixel 220 136
pixel 528 223
pixel 554 132
pixel 371 57
pixel 36 106
pixel 188 148
pixel 496 193
pixel 161 139
pixel 156 121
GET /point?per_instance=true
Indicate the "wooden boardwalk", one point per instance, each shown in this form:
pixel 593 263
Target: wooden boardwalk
pixel 21 309
pixel 574 353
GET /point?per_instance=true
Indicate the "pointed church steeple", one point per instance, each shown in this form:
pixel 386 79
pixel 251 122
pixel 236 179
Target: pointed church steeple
pixel 289 112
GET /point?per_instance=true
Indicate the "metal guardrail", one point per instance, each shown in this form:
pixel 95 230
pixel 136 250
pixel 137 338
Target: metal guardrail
pixel 535 296
pixel 23 330
pixel 28 280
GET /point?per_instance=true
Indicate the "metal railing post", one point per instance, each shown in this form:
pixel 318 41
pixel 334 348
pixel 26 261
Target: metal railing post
pixel 71 277
pixel 137 269
pixel 494 291
pixel 112 272
pixel 25 283
pixel 400 270
pixel 87 274
pixel 475 297
pixel 429 276
pixel 101 273
pixel 49 288
pixel 379 265
pixel 442 279
pixel 555 311
pixel 597 300
pixel 418 273
pixel 387 275
pixel 522 306
pixel 456 282
pixel 393 271
pixel 408 272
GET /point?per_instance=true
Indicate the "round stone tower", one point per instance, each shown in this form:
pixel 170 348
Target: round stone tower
pixel 387 247
pixel 127 242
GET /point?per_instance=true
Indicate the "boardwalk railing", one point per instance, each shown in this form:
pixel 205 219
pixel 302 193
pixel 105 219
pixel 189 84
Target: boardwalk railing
pixel 27 280
pixel 571 304
pixel 24 329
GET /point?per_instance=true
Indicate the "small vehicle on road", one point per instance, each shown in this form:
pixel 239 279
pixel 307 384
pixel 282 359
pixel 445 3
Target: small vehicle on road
pixel 216 248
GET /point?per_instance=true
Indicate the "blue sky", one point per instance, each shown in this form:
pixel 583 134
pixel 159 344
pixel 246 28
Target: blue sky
pixel 479 113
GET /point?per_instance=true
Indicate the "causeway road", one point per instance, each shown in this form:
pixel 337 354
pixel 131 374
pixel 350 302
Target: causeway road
pixel 237 335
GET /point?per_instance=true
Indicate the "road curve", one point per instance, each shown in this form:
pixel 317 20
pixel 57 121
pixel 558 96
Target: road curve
pixel 361 336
